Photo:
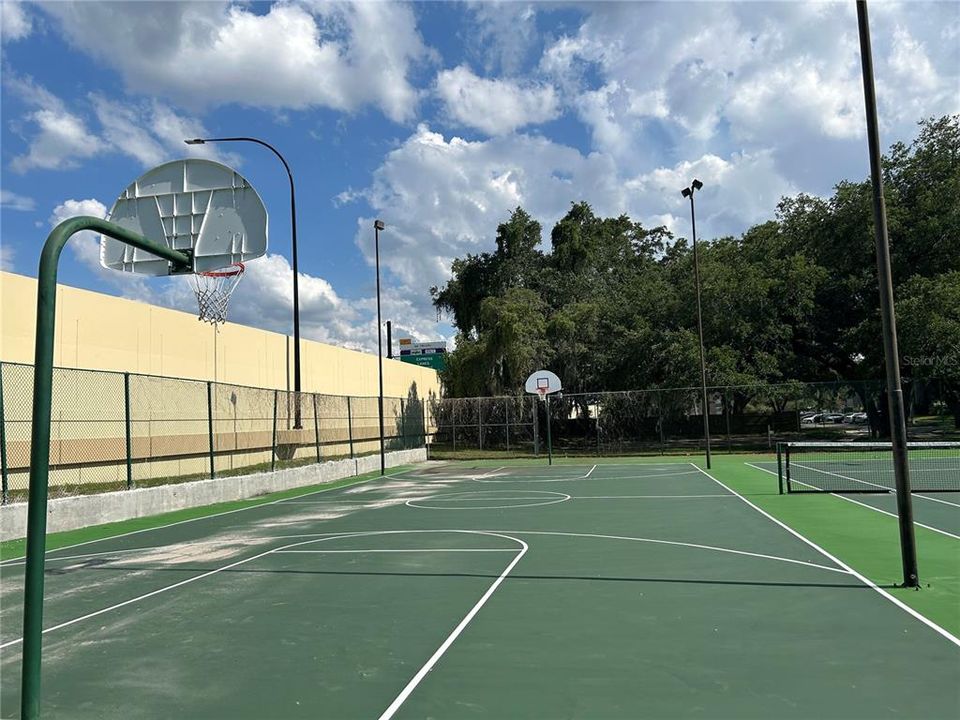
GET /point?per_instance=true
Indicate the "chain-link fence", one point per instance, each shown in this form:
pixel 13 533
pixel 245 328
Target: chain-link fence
pixel 748 417
pixel 114 431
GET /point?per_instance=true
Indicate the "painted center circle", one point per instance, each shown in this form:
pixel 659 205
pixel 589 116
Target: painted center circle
pixel 489 500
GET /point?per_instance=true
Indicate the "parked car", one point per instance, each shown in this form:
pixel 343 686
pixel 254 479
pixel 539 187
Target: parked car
pixel 860 418
pixel 812 419
pixel 834 418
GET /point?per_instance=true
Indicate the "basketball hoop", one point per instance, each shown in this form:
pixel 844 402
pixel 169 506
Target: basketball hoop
pixel 213 290
pixel 542 392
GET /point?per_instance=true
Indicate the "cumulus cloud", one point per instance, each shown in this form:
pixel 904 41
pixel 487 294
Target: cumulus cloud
pixel 6 257
pixel 13 201
pixel 785 77
pixel 442 198
pixel 60 138
pixel 495 106
pixel 15 22
pixel 296 56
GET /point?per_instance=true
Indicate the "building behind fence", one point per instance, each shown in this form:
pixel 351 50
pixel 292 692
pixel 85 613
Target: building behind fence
pixel 113 431
pixel 753 417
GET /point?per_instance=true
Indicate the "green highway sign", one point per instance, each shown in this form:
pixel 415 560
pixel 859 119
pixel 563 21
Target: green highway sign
pixel 437 361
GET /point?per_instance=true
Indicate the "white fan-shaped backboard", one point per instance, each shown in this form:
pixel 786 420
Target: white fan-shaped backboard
pixel 543 381
pixel 192 204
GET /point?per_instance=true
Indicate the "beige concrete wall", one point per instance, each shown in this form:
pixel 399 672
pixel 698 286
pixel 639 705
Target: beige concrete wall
pixel 108 333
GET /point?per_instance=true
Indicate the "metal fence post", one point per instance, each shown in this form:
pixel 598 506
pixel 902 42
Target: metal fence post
pixel 210 426
pixel 127 433
pixel 480 422
pixel 403 426
pixel 726 405
pixel 3 446
pixel 506 405
pixel 536 426
pixel 453 411
pixel 273 442
pixel 350 425
pixel 316 427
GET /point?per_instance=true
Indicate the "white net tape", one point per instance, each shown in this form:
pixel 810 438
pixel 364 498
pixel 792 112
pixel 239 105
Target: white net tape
pixel 213 290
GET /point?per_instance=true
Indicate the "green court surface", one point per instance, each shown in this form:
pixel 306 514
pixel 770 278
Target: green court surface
pixel 627 589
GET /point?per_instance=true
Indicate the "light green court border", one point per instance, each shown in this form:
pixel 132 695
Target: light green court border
pixel 868 541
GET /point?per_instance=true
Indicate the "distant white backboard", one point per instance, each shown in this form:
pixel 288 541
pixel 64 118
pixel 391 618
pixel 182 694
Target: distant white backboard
pixel 193 204
pixel 543 382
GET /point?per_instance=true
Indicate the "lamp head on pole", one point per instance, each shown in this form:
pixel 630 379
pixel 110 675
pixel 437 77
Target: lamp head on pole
pixel 686 192
pixel 697 184
pixel 196 141
pixel 378 224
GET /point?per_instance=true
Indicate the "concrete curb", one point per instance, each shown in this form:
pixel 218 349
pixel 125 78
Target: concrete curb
pixel 85 510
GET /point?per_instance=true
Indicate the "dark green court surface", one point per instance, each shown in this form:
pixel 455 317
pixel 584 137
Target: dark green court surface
pixel 646 589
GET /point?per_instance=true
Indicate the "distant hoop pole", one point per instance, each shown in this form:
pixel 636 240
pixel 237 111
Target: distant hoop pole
pixel 40 434
pixel 546 402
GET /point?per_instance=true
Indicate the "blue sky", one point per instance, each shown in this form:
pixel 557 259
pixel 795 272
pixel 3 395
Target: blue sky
pixel 440 118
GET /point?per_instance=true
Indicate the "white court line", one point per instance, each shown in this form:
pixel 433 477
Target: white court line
pixel 862 504
pixel 404 550
pixel 590 472
pixel 645 497
pixel 205 517
pixel 22 561
pixel 193 579
pixel 862 578
pixel 427 666
pixel 867 482
pixel 676 543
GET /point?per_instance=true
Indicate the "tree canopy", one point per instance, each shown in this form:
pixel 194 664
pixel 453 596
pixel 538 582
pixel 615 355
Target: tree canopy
pixel 611 304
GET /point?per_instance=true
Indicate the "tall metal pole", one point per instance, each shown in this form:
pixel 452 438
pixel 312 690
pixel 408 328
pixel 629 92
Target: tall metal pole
pixel 40 436
pixel 377 227
pixel 688 192
pixel 891 353
pixel 296 284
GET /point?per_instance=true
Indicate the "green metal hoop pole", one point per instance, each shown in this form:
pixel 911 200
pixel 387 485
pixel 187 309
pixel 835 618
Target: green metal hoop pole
pixel 40 435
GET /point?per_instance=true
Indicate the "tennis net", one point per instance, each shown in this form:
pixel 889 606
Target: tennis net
pixel 866 467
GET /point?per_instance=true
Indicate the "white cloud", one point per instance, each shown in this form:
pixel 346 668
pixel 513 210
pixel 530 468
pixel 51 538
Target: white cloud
pixel 6 257
pixel 731 76
pixel 148 131
pixel 151 132
pixel 60 138
pixel 15 22
pixel 442 198
pixel 505 33
pixel 342 56
pixel 13 201
pixel 495 107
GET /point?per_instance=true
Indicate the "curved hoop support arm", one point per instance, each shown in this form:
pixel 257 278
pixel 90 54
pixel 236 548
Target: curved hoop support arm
pixel 40 433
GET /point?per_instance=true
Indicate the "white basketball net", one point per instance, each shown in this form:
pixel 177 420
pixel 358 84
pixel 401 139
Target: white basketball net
pixel 213 290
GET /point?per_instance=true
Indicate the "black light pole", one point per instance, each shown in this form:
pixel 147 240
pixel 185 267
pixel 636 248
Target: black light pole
pixel 377 227
pixel 688 193
pixel 296 285
pixel 898 424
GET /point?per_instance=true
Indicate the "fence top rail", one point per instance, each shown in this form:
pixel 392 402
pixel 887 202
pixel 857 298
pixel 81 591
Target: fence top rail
pixel 58 368
pixel 787 386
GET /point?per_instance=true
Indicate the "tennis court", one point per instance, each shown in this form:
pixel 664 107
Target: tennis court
pixel 863 473
pixel 472 590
